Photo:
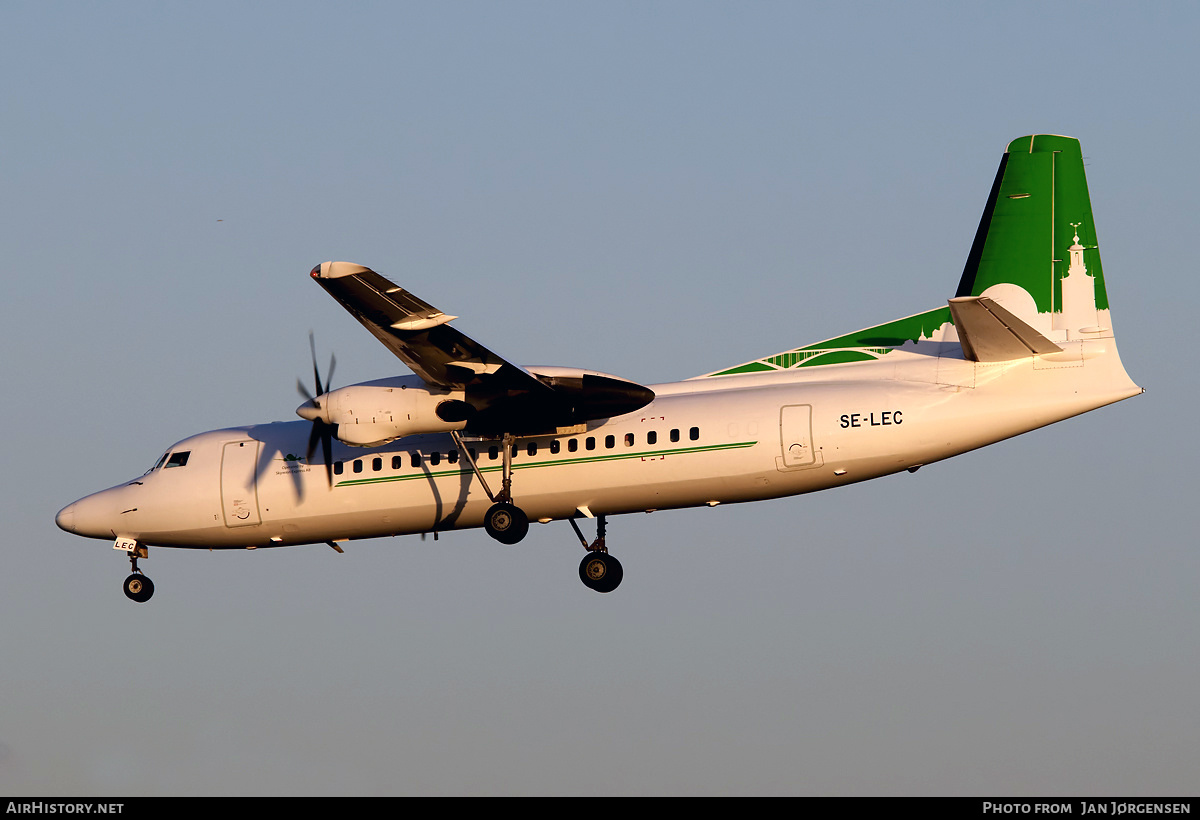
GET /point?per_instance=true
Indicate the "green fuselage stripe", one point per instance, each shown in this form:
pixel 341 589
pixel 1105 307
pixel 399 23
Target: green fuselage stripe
pixel 464 468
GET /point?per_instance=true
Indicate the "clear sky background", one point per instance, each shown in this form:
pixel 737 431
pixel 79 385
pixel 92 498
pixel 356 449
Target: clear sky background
pixel 650 189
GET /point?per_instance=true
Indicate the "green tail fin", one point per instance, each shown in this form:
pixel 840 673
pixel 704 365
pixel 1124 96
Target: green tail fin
pixel 1037 220
pixel 1034 255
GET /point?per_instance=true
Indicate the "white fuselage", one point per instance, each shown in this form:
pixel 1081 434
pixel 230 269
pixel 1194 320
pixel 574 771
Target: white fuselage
pixel 702 441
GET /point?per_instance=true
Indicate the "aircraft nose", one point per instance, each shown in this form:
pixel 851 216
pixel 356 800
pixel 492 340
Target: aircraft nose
pixel 94 516
pixel 66 518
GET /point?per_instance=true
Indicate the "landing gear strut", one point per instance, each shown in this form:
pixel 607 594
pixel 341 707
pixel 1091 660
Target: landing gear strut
pixel 504 520
pixel 598 570
pixel 137 586
pixel 508 524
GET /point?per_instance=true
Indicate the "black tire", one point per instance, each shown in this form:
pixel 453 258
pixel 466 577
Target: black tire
pixel 139 588
pixel 600 571
pixel 507 523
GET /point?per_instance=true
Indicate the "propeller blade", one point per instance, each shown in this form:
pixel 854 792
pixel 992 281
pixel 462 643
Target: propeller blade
pixel 313 435
pixel 327 451
pixel 321 430
pixel 324 433
pixel 312 345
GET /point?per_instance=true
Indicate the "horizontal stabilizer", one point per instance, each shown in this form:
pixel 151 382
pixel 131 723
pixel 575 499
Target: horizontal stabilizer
pixel 989 333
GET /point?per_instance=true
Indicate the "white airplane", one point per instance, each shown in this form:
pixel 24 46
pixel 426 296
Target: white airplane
pixel 473 440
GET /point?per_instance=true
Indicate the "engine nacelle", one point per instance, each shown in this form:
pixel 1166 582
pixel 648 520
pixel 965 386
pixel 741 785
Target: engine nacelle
pixel 374 413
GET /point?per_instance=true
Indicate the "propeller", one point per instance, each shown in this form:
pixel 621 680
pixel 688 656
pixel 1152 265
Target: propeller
pixel 312 410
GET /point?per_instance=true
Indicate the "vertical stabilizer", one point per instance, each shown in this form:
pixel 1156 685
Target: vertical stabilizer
pixel 1032 285
pixel 1035 252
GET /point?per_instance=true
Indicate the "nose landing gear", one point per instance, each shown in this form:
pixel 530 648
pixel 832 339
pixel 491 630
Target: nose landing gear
pixel 137 586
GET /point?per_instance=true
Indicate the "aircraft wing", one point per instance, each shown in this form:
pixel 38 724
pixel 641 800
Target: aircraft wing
pixel 417 332
pixel 504 396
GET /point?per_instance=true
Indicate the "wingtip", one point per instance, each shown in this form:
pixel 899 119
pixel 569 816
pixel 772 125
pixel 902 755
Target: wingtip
pixel 336 270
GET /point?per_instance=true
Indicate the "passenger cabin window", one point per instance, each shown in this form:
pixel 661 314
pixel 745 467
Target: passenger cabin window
pixel 358 465
pixel 555 446
pixel 179 459
pixel 396 462
pixel 610 442
pixel 694 434
pixel 376 464
pixel 573 445
pixel 652 437
pixel 629 439
pixel 675 435
pixel 338 467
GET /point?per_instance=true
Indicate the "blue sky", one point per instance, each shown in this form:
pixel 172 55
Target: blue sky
pixel 655 190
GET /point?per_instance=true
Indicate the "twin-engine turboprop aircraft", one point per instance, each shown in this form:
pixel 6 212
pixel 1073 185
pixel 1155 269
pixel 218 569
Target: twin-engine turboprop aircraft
pixel 474 440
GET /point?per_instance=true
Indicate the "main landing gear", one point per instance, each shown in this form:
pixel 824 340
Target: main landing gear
pixel 508 523
pixel 598 570
pixel 137 586
pixel 504 520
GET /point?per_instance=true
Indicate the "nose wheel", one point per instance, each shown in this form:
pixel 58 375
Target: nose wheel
pixel 137 586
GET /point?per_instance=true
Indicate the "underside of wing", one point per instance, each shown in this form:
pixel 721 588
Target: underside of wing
pixel 503 397
pixel 417 332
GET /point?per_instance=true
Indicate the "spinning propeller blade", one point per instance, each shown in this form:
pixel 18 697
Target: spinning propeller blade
pixel 322 430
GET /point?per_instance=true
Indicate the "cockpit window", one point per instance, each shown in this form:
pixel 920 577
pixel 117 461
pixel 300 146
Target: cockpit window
pixel 179 459
pixel 158 463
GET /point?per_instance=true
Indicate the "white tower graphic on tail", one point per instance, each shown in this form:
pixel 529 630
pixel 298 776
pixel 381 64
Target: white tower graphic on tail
pixel 1078 295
